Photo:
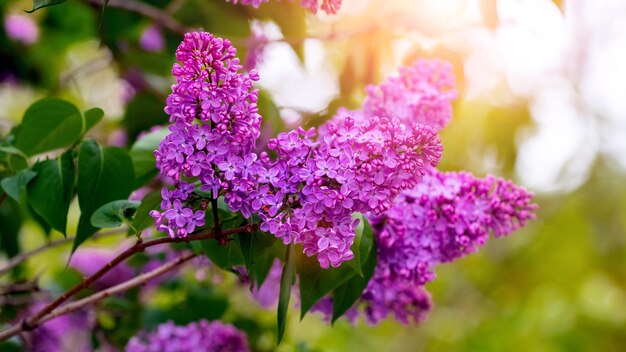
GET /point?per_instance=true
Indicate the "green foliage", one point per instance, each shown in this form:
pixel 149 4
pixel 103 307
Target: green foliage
pixel 49 124
pixel 257 255
pixel 315 282
pixel 51 191
pixel 115 213
pixel 142 219
pixel 14 185
pixel 104 175
pixel 39 4
pixel 142 155
pixel 287 280
pixel 224 255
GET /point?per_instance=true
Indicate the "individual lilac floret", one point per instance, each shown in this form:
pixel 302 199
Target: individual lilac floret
pixel 200 336
pixel 21 28
pixel 152 39
pixel 309 193
pixel 421 93
pixel 215 122
pixel 329 6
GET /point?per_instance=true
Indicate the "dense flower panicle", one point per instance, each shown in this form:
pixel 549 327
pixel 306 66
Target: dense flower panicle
pixel 215 122
pixel 421 93
pixel 200 336
pixel 21 28
pixel 329 6
pixel 445 217
pixel 309 193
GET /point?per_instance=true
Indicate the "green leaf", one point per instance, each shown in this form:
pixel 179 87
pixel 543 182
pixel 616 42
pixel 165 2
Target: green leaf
pixel 286 281
pixel 362 244
pixel 345 295
pixel 10 224
pixel 256 255
pixel 51 191
pixel 142 154
pixel 224 257
pixel 142 219
pixel 104 175
pixel 39 4
pixel 13 185
pixel 8 149
pixel 113 214
pixel 92 118
pixel 316 282
pixel 49 124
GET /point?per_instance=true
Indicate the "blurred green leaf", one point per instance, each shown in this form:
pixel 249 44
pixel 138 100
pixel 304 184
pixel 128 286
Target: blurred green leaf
pixel 362 245
pixel 142 219
pixel 49 124
pixel 39 4
pixel 345 295
pixel 13 185
pixel 10 224
pixel 286 281
pixel 104 175
pixel 256 255
pixel 113 214
pixel 142 155
pixel 51 191
pixel 225 256
pixel 92 118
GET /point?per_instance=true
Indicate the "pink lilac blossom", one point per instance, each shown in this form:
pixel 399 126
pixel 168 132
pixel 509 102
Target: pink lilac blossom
pixel 329 6
pixel 215 123
pixel 309 193
pixel 257 43
pixel 421 93
pixel 152 39
pixel 445 217
pixel 21 28
pixel 200 336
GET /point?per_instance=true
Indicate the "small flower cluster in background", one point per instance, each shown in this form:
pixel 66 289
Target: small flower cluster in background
pixel 201 336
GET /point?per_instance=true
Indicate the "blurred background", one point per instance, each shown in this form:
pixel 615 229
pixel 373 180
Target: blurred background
pixel 542 101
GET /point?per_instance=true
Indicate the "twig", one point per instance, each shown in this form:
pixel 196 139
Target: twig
pixel 144 9
pixel 137 281
pixel 32 322
pixel 18 259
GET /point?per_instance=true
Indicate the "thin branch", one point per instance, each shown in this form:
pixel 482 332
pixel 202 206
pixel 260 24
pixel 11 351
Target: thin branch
pixel 137 281
pixel 157 15
pixel 32 322
pixel 18 259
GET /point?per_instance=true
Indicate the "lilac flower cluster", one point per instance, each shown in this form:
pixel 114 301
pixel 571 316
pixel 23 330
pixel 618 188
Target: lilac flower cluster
pixel 308 194
pixel 445 217
pixel 329 6
pixel 421 93
pixel 215 124
pixel 21 28
pixel 200 336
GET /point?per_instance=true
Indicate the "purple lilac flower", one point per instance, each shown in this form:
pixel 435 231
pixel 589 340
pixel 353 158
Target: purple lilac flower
pixel 70 332
pixel 445 217
pixel 89 260
pixel 329 6
pixel 309 193
pixel 257 42
pixel 152 39
pixel 200 336
pixel 421 93
pixel 215 122
pixel 21 28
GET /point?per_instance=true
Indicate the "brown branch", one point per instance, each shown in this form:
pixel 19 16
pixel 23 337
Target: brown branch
pixel 134 282
pixel 157 15
pixel 32 322
pixel 18 259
